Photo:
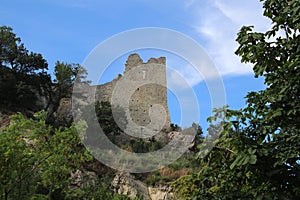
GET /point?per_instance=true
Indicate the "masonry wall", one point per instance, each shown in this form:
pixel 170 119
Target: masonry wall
pixel 145 97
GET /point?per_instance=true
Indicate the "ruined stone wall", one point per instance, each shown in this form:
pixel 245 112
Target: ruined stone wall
pixel 151 76
pixel 104 91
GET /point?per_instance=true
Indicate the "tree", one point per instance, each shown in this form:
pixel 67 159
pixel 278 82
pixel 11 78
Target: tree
pixel 110 123
pixel 272 115
pixel 37 160
pixel 64 77
pixel 258 153
pixel 15 56
pixel 23 73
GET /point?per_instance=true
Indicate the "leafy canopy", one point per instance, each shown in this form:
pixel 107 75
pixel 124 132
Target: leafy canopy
pixel 14 55
pixel 23 75
pixel 258 153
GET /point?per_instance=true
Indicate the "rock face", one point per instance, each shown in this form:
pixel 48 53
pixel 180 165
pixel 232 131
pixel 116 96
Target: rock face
pixel 126 184
pixel 161 193
pixel 63 115
pixel 4 119
pixel 80 179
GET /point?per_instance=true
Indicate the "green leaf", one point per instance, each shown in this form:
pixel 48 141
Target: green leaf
pixel 238 159
pixel 245 160
pixel 251 151
pixel 252 159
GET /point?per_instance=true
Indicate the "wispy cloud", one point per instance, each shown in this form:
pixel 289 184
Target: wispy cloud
pixel 182 79
pixel 218 23
pixel 188 3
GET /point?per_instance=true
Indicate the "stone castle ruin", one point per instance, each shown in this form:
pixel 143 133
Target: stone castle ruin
pixel 141 91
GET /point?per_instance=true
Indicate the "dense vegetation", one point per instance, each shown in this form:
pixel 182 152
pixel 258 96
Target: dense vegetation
pixel 258 153
pixel 23 73
pixel 37 161
pixel 256 157
pixel 38 154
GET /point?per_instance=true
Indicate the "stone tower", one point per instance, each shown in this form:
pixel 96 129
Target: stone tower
pixel 149 93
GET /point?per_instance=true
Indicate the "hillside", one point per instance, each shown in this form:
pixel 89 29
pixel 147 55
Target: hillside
pixel 249 153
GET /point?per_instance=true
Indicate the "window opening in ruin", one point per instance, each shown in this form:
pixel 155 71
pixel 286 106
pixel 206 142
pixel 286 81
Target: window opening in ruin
pixel 144 74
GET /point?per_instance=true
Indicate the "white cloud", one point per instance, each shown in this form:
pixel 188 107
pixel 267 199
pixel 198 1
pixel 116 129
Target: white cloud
pixel 182 78
pixel 218 23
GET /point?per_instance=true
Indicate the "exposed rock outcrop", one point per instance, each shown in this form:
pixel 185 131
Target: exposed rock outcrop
pixel 82 178
pixel 4 119
pixel 161 193
pixel 63 115
pixel 126 184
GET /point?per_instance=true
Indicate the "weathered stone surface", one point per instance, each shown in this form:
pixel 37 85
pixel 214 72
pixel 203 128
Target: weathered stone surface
pixel 141 92
pixel 82 178
pixel 4 119
pixel 146 102
pixel 161 193
pixel 63 114
pixel 42 100
pixel 133 60
pixel 125 184
pixel 104 91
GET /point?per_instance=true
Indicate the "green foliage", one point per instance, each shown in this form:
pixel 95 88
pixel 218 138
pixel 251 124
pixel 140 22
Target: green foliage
pixel 109 122
pixel 15 56
pixel 64 73
pixel 184 187
pixel 273 115
pixel 37 160
pixel 100 190
pixel 16 160
pixel 156 179
pixel 23 73
pixel 65 76
pixel 185 161
pixel 257 155
pixel 142 146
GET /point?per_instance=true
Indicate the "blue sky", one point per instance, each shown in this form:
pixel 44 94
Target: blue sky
pixel 68 30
